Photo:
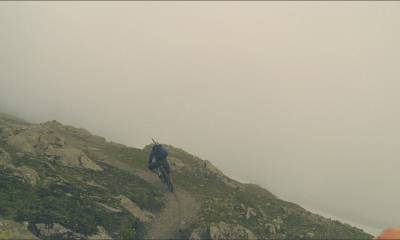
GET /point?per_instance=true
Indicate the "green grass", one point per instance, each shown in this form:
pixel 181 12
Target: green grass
pixel 221 202
pixel 137 158
pixel 61 203
pixel 63 196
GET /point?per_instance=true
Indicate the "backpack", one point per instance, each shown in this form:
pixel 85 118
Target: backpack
pixel 160 152
pixel 163 153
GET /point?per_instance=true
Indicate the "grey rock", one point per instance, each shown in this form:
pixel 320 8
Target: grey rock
pixel 277 223
pixel 135 210
pixel 27 173
pixel 51 229
pixel 56 229
pixel 310 235
pixel 101 234
pixel 221 230
pixel 271 228
pixel 242 206
pixel 40 140
pixel 250 212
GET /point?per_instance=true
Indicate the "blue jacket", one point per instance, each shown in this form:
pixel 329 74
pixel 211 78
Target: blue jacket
pixel 157 152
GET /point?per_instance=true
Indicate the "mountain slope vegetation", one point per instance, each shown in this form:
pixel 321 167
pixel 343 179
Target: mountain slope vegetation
pixel 62 182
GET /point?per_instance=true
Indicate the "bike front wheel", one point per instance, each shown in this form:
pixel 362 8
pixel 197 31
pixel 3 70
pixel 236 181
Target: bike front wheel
pixel 167 179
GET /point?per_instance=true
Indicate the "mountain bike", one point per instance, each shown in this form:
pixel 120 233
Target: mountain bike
pixel 165 178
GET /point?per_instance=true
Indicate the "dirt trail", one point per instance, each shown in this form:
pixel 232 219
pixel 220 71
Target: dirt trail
pixel 179 212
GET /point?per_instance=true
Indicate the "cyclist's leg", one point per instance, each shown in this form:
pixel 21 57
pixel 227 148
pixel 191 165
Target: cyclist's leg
pixel 167 168
pixel 166 165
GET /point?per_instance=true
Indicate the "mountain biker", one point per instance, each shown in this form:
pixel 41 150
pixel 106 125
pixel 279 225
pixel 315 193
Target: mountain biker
pixel 158 157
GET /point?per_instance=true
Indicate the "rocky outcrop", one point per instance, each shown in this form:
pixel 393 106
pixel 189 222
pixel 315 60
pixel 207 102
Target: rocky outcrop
pixel 250 212
pixel 25 140
pixel 53 159
pixel 28 174
pixel 101 235
pixel 80 133
pixel 277 223
pixel 55 230
pixel 135 210
pixel 210 169
pixel 223 231
pixel 52 229
pixel 40 140
pixel 72 157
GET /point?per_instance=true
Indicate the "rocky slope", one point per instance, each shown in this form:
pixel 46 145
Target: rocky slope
pixel 61 182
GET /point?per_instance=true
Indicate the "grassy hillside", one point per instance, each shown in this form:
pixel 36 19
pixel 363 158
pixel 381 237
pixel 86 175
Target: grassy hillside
pixel 61 182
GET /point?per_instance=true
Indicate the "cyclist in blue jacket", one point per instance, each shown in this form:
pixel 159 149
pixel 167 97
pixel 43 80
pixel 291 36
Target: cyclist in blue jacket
pixel 158 157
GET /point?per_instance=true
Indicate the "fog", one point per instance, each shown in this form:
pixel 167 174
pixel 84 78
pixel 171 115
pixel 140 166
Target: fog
pixel 299 97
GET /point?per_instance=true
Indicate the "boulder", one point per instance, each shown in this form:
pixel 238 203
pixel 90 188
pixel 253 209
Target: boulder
pixel 250 212
pixel 135 210
pixel 50 229
pixel 56 230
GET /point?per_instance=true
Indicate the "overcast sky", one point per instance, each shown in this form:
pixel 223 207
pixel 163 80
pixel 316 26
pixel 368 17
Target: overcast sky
pixel 299 97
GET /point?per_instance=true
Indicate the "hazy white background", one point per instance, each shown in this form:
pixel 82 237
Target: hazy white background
pixel 299 97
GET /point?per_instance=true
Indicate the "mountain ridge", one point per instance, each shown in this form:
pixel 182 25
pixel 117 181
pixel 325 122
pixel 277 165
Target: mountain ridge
pixel 62 182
